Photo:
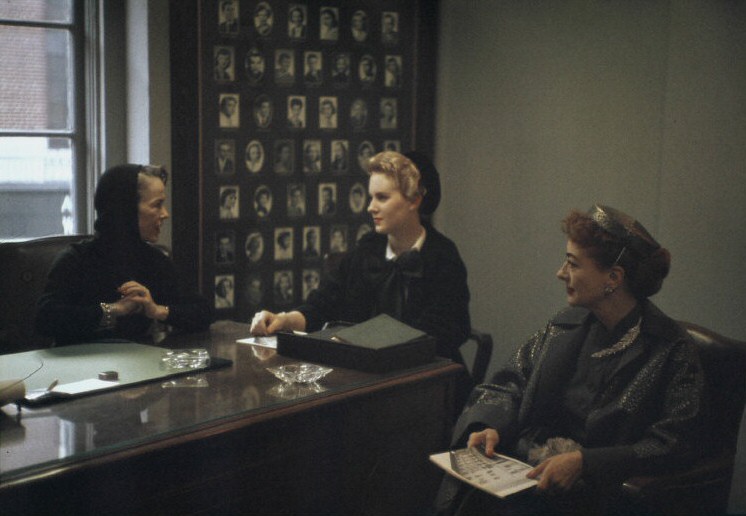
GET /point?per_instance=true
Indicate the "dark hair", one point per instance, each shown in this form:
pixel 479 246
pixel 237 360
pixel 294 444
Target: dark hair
pixel 644 270
pixel 227 193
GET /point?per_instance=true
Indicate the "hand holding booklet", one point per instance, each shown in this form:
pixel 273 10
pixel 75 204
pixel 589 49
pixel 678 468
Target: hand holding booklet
pixel 500 475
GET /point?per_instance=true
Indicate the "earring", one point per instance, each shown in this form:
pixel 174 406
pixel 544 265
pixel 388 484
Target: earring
pixel 608 290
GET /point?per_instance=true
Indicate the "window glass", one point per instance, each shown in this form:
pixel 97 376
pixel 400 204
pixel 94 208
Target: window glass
pixel 36 77
pixel 59 11
pixel 35 187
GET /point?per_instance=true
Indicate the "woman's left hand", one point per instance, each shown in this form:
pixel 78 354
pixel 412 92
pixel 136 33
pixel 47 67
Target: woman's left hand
pixel 134 291
pixel 559 472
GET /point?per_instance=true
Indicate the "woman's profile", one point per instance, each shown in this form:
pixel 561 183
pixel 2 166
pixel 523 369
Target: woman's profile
pixel 118 283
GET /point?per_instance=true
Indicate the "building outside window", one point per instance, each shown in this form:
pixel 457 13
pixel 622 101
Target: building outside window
pixel 42 123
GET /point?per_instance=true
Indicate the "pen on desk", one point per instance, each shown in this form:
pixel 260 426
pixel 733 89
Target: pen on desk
pixel 53 385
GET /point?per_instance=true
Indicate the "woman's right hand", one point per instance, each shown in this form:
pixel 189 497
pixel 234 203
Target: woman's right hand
pixel 487 438
pixel 268 323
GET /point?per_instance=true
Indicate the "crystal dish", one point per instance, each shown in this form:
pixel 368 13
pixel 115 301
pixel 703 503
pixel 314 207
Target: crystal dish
pixel 300 372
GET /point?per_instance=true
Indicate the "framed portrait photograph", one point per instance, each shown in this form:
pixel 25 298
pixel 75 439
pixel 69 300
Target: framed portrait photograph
pixel 255 64
pixel 341 69
pixel 224 291
pixel 358 198
pixel 283 287
pixel 254 247
pixel 264 18
pixel 362 229
pixel 339 162
pixel 225 247
pixel 367 70
pixel 313 68
pixel 283 243
pixel 263 111
pixel 359 26
pixel 327 199
pixel 365 151
pixel 284 161
pixel 284 67
pixel 296 200
pixel 254 290
pixel 229 202
pixel 329 23
pixel 327 112
pixel 254 156
pixel 262 201
pixel 311 280
pixel 392 77
pixel 358 114
pixel 228 17
pixel 311 242
pixel 224 69
pixel 390 28
pixel 225 157
pixel 296 111
pixel 338 238
pixel 389 114
pixel 297 21
pixel 229 111
pixel 311 156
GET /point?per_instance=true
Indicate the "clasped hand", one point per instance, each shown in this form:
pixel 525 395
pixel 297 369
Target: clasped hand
pixel 136 298
pixel 560 472
pixel 268 323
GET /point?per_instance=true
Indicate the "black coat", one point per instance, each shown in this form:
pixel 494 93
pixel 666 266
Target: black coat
pixel 647 419
pixel 437 302
pixel 82 277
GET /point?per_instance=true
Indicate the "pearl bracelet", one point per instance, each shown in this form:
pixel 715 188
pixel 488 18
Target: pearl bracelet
pixel 107 321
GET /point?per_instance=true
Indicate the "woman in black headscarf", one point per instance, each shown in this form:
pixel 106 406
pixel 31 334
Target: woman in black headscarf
pixel 405 268
pixel 117 284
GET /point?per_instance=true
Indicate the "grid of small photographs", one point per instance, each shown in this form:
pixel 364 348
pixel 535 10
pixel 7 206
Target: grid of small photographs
pixel 297 96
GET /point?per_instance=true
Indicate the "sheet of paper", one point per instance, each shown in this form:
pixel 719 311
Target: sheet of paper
pixel 93 384
pixel 267 342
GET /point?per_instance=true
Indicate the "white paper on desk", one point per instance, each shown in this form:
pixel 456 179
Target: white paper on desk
pixel 267 342
pixel 92 384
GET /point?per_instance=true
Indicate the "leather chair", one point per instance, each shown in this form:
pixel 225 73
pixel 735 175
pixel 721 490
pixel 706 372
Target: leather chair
pixel 25 266
pixel 483 353
pixel 705 487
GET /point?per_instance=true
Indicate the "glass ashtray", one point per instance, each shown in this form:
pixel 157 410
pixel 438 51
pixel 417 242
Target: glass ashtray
pixel 300 372
pixel 185 358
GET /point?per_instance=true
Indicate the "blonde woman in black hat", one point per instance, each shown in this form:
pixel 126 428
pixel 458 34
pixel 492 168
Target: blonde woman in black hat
pixel 405 268
pixel 611 388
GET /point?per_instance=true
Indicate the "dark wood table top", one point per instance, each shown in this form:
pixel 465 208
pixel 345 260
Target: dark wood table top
pixel 100 427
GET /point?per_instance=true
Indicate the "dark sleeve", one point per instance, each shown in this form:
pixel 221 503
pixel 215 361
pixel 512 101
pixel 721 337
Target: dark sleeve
pixel 187 311
pixel 669 441
pixel 59 312
pixel 324 302
pixel 444 311
pixel 497 404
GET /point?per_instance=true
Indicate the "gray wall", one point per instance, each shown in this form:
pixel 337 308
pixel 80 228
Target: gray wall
pixel 545 106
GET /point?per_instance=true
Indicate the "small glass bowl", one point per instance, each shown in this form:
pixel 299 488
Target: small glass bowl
pixel 300 372
pixel 185 358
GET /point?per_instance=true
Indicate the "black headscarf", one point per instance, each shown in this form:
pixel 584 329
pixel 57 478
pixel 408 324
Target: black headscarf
pixel 430 180
pixel 117 229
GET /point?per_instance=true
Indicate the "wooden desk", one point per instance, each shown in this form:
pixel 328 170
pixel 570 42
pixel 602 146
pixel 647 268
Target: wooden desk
pixel 233 441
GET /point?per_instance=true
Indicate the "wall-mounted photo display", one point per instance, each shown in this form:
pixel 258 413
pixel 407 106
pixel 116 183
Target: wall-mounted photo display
pixel 295 97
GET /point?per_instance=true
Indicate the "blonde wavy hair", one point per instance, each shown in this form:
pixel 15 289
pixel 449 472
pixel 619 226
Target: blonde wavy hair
pixel 401 170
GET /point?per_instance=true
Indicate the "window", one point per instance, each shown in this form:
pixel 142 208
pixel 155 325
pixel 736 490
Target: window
pixel 42 127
